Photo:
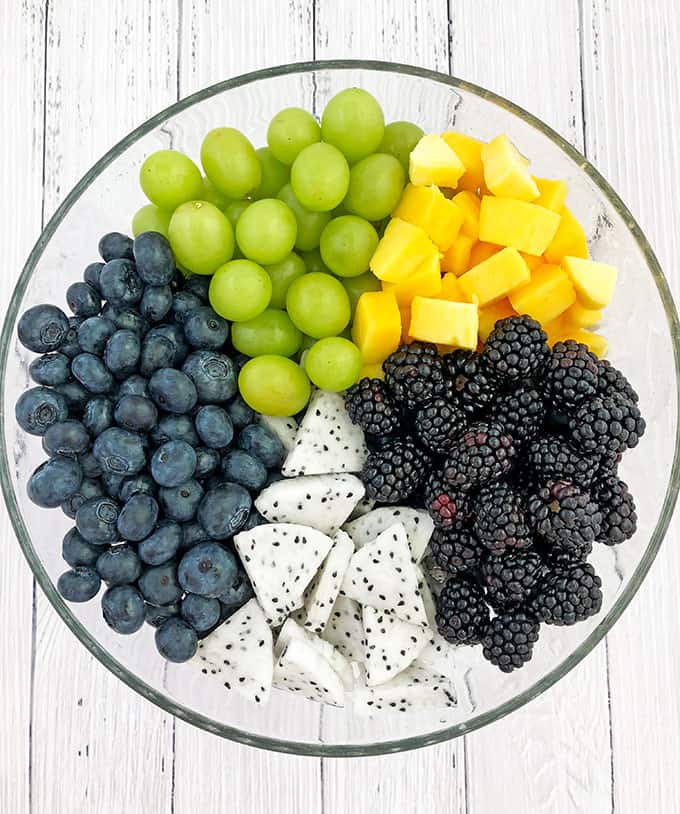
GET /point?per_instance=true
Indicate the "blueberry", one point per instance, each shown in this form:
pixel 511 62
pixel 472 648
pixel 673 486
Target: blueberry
pixel 38 408
pixel 79 584
pixel 192 534
pixel 175 336
pixel 214 426
pixel 98 415
pixel 120 284
pixel 137 485
pixel 204 329
pixel 207 569
pixel 112 483
pixel 200 612
pixel 122 353
pixel 91 274
pixel 156 302
pixel 173 463
pixel 54 481
pixel 154 258
pixel 224 510
pixel 181 502
pixel 172 390
pixel 136 413
pixel 77 551
pixel 94 333
pixel 213 374
pixel 125 319
pixel 207 461
pixel 96 520
pixel 175 428
pixel 88 489
pixel 176 640
pixel 254 519
pixel 50 369
pixel 137 518
pixel 155 616
pixel 134 385
pixel 237 594
pixel 120 451
pixel 114 246
pixel 43 328
pixel 199 286
pixel 89 465
pixel 159 584
pixel 75 394
pixel 184 304
pixel 262 444
pixel 241 467
pixel 157 352
pixel 240 413
pixel 91 372
pixel 162 544
pixel 83 299
pixel 66 438
pixel 123 608
pixel 119 565
pixel 71 346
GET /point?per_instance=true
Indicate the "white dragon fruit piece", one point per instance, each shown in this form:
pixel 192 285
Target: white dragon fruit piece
pixel 345 630
pixel 413 689
pixel 302 669
pixel 364 506
pixel 284 428
pixel 390 644
pixel 428 599
pixel 417 522
pixel 292 630
pixel 239 653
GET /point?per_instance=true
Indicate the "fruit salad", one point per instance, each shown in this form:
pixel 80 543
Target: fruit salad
pixel 336 412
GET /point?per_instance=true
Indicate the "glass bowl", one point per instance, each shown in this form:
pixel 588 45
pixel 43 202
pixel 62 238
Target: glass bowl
pixel 641 324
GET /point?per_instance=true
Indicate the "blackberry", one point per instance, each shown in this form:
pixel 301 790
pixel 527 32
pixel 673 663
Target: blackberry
pixel 500 519
pixel 612 381
pixel 619 520
pixel 511 579
pixel 444 503
pixel 571 374
pixel 508 641
pixel 395 472
pixel 609 424
pixel 517 348
pixel 415 374
pixel 456 549
pixel 569 595
pixel 469 382
pixel 483 453
pixel 370 406
pixel 553 458
pixel 566 517
pixel 438 423
pixel 521 412
pixel 462 614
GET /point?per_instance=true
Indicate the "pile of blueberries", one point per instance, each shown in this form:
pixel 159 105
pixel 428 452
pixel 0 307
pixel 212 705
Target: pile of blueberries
pixel 151 450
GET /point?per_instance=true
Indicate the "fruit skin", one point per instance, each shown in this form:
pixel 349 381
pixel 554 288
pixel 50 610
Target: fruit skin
pixel 469 381
pixel 462 614
pixel 456 549
pixel 240 467
pixel 500 519
pixel 445 504
pixel 619 519
pixel 213 374
pixel 551 457
pixel 569 595
pixel 138 517
pixel 162 545
pixel 199 612
pixel 370 405
pixel 51 369
pixel 607 425
pixel 612 381
pixel 571 374
pixel 482 454
pixel 54 481
pixel 516 349
pixel 263 444
pixel 79 584
pixel 176 640
pixel 566 517
pixel 119 565
pixel 414 374
pixel 438 423
pixel 223 511
pixel 394 473
pixel 76 551
pixel 509 639
pixel 521 412
pixel 159 586
pixel 38 408
pixel 512 578
pixel 42 328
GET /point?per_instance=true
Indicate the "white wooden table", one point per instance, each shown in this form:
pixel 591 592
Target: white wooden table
pixel 75 76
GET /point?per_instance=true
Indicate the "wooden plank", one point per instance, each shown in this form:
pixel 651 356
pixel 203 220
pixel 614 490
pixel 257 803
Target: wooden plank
pixel 108 68
pixel 631 88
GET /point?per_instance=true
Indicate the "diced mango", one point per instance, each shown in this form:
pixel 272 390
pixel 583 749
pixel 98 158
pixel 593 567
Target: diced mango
pixel 428 208
pixel 376 329
pixel 451 289
pixel 496 277
pixel 444 322
pixel 469 150
pixel 457 258
pixel 402 248
pixel 506 171
pixel 521 225
pixel 469 203
pixel 569 239
pixel 432 161
pixel 481 252
pixel 553 193
pixel 489 316
pixel 547 295
pixel 558 329
pixel 532 260
pixel 426 280
pixel 442 350
pixel 583 317
pixel 594 282
pixel 405 316
pixel 371 372
pixel 595 342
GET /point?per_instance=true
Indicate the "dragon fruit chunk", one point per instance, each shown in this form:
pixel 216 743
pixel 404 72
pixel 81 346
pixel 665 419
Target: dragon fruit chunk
pixel 292 630
pixel 417 522
pixel 390 644
pixel 413 689
pixel 284 428
pixel 302 669
pixel 345 629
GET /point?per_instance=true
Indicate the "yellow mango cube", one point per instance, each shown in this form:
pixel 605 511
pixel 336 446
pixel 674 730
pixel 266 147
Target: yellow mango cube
pixel 594 282
pixel 532 260
pixel 558 329
pixel 432 161
pixel 496 277
pixel 402 248
pixel 596 343
pixel 426 280
pixel 489 316
pixel 457 258
pixel 569 239
pixel 506 171
pixel 428 208
pixel 481 252
pixel 469 150
pixel 442 350
pixel 444 322
pixel 583 317
pixel 547 295
pixel 405 316
pixel 553 193
pixel 469 203
pixel 371 372
pixel 521 225
pixel 451 289
pixel 376 329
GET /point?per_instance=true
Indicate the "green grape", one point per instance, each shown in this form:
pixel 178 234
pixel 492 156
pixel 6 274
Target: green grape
pixel 290 131
pixel 230 161
pixel 353 122
pixel 282 275
pixel 151 219
pixel 273 385
pixel 240 290
pixel 375 186
pixel 314 262
pixel 318 304
pixel 272 331
pixel 309 224
pixel 320 177
pixel 347 245
pixel 333 363
pixel 356 286
pixel 399 140
pixel 234 209
pixel 169 178
pixel 201 237
pixel 211 194
pixel 274 174
pixel 266 231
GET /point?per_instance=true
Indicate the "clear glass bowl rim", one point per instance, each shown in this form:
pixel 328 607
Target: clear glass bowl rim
pixel 320 749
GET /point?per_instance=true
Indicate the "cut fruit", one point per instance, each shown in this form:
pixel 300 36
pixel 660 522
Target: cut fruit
pixel 390 644
pixel 428 208
pixel 519 224
pixel 489 316
pixel 445 322
pixel 345 630
pixel 457 258
pixel 417 523
pixel 594 282
pixel 469 150
pixel 425 280
pixel 302 669
pixel 414 688
pixel 469 204
pixel 402 248
pixel 405 316
pixel 376 329
pixel 451 289
pixel 553 193
pixel 372 371
pixel 292 630
pixel 506 171
pixel 496 277
pixel 284 428
pixel 432 161
pixel 569 239
pixel 481 252
pixel 583 317
pixel 595 342
pixel 532 260
pixel 547 295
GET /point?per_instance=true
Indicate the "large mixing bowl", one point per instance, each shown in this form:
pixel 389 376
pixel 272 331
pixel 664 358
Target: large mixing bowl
pixel 641 324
